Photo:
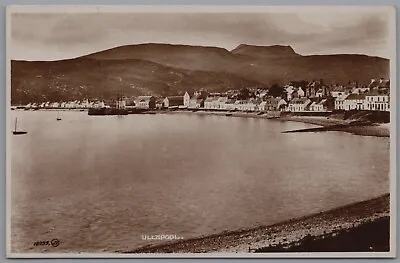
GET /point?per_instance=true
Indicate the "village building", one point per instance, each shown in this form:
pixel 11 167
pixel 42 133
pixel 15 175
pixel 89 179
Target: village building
pixel 96 104
pixel 270 104
pixel 317 88
pixel 173 101
pixel 145 102
pixel 196 100
pixel 377 101
pixel 196 103
pixel 355 102
pixel 300 92
pixel 210 102
pixel 299 105
pixel 282 104
pixel 337 91
pixel 159 103
pixel 319 93
pixel 319 106
pixel 379 83
pixel 121 104
pixel 55 105
pixel 130 103
pixel 186 99
pixel 339 102
pixel 359 90
pixel 85 103
pixel 294 92
pixel 246 105
pixel 229 105
pixel 215 103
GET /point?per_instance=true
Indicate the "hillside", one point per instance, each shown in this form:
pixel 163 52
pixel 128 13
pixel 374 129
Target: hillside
pixel 81 78
pixel 264 51
pixel 163 69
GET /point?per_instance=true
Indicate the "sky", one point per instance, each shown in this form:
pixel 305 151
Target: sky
pixel 55 36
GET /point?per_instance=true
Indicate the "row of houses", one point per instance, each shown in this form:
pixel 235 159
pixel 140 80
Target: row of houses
pixel 373 100
pixel 297 97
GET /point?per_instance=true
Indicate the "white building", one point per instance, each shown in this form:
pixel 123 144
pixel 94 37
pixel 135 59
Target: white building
pixel 339 102
pixel 355 102
pixel 215 103
pixel 244 105
pixel 318 106
pixel 376 101
pixel 186 99
pixel 300 92
pixel 145 102
pixel 299 105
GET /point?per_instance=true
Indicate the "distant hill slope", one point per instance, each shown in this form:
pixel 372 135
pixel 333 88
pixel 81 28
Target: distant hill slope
pixel 266 64
pixel 264 51
pixel 163 69
pixel 81 78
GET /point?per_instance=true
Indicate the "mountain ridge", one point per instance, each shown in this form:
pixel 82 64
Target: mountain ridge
pixel 150 68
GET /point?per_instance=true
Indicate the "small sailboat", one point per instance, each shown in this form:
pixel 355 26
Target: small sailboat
pixel 15 132
pixel 58 116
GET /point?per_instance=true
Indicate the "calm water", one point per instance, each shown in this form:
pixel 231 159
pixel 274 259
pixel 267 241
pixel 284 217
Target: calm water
pixel 99 183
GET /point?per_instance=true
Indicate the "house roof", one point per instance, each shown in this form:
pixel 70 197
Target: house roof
pixel 223 99
pixel 378 83
pixel 272 100
pixel 210 99
pixel 194 97
pixel 191 93
pixel 356 97
pixel 376 93
pixel 342 97
pixel 337 89
pixel 143 98
pixel 299 101
pixel 175 98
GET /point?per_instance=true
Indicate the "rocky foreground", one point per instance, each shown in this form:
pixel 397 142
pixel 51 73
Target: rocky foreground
pixel 359 227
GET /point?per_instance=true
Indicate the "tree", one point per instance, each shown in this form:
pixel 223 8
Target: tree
pixel 276 91
pixel 244 94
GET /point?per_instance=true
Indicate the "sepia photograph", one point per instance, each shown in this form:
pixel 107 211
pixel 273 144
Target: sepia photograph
pixel 201 131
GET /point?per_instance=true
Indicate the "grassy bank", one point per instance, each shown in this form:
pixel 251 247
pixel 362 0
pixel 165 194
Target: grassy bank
pixel 353 219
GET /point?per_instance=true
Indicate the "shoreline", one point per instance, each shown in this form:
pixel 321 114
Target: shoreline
pixel 376 130
pixel 288 234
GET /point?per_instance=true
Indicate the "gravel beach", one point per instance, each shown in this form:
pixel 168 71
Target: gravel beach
pixel 289 233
